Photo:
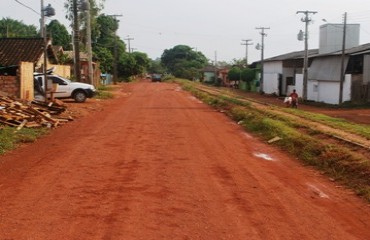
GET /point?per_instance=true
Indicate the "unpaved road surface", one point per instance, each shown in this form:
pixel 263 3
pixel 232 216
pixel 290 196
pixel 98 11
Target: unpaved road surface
pixel 156 163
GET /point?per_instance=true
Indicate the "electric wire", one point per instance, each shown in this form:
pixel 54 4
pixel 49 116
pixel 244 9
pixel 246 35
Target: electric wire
pixel 24 5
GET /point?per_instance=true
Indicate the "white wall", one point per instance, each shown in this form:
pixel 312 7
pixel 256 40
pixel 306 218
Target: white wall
pixel 271 76
pixel 271 83
pixel 328 91
pixel 273 67
pixel 298 84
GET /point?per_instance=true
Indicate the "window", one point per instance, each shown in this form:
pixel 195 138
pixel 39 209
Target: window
pixel 290 81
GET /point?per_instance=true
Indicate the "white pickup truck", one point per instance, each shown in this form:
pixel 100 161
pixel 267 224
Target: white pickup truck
pixel 63 88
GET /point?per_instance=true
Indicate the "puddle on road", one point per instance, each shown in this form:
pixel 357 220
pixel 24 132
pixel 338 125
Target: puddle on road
pixel 264 156
pixel 317 191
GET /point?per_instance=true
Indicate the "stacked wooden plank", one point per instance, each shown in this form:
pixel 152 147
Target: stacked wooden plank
pixel 19 114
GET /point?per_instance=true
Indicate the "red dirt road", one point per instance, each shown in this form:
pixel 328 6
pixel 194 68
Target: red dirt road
pixel 159 164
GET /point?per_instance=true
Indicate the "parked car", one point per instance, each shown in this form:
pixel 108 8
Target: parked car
pixel 156 77
pixel 62 88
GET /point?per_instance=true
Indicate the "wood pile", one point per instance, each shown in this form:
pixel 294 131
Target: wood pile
pixel 19 114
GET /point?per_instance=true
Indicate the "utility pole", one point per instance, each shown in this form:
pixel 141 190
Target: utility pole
pixel 342 67
pixel 76 42
pixel 262 48
pixel 216 77
pixel 128 40
pixel 306 20
pixel 85 6
pixel 115 73
pixel 246 43
pixel 45 12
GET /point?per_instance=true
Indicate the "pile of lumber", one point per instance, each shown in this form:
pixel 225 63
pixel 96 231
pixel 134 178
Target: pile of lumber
pixel 19 114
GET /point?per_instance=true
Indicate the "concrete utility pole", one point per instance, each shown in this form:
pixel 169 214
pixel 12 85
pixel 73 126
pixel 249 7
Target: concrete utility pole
pixel 342 67
pixel 306 20
pixel 76 42
pixel 262 48
pixel 115 73
pixel 129 41
pixel 246 43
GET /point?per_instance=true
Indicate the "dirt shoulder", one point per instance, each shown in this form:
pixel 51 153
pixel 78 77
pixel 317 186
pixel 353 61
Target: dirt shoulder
pixel 361 116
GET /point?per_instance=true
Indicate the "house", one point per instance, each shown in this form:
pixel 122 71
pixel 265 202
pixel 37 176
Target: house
pixel 19 59
pixel 16 50
pixel 284 73
pixel 280 72
pixel 324 76
pixel 84 64
pixel 209 73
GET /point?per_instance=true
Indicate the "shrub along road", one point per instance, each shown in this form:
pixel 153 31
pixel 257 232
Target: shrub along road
pixel 159 164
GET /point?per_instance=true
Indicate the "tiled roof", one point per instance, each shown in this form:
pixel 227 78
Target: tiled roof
pixel 14 50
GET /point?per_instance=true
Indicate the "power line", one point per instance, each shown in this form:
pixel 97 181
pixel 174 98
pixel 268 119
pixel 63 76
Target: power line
pixel 24 5
pixel 246 43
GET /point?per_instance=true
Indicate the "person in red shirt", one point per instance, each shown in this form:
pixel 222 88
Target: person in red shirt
pixel 294 97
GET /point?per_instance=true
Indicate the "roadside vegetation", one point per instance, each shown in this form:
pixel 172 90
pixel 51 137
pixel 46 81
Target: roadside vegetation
pixel 104 92
pixel 10 138
pixel 343 163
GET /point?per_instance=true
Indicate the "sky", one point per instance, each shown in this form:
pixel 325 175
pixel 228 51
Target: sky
pixel 214 27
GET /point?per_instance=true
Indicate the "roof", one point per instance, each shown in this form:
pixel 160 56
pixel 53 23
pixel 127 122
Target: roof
pixel 292 55
pixel 83 55
pixel 15 50
pixel 362 49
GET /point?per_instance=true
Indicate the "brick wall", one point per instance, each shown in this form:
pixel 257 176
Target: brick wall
pixel 10 85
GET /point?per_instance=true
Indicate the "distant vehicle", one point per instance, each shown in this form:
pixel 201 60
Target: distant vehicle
pixel 64 88
pixel 156 77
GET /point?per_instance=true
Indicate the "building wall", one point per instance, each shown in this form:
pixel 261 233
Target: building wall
pixel 287 72
pixel 366 73
pixel 271 83
pixel 209 76
pixel 331 37
pixel 271 76
pixel 10 85
pixel 273 67
pixel 62 70
pixel 328 91
pixel 26 81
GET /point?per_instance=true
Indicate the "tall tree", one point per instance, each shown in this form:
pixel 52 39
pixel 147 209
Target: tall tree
pixel 106 42
pixel 183 62
pixel 59 34
pixel 14 28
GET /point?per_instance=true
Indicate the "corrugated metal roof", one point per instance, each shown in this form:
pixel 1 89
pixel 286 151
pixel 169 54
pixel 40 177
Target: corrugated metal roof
pixel 364 48
pixel 292 55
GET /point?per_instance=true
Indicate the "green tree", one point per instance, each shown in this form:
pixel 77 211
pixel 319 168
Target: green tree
pixel 106 41
pixel 248 75
pixel 14 28
pixel 234 74
pixel 59 34
pixel 142 62
pixel 105 58
pixel 156 66
pixel 183 62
